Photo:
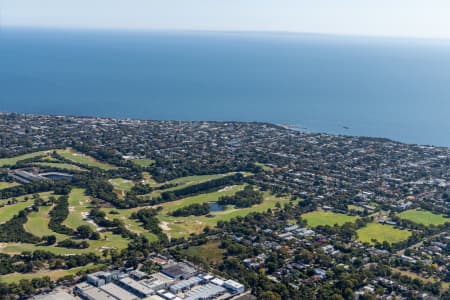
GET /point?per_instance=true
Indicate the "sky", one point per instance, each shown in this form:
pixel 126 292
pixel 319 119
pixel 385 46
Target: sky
pixel 399 18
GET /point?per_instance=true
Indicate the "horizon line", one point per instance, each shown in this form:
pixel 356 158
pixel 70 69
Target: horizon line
pixel 192 30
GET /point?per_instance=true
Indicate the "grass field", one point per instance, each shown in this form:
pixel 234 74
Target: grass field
pixel 209 252
pixel 143 162
pixel 148 179
pixel 183 226
pixel 169 207
pixel 13 160
pixel 423 217
pixel 61 166
pixel 78 206
pixel 37 223
pixel 53 274
pixel 17 248
pixel 183 182
pixel 190 180
pixel 49 158
pixel 320 217
pixel 5 185
pixel 9 211
pixel 264 167
pixel 355 208
pixel 121 184
pixel 132 225
pixel 382 233
pixel 107 240
pixel 84 159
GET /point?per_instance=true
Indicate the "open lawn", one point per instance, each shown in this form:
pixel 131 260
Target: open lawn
pixel 121 184
pixel 107 240
pixel 381 233
pixel 84 159
pixel 355 208
pixel 197 178
pixel 143 162
pixel 210 252
pixel 171 206
pixel 78 208
pixel 183 182
pixel 423 217
pixel 17 248
pixel 9 210
pixel 49 158
pixel 37 223
pixel 5 185
pixel 13 160
pixel 53 274
pixel 320 217
pixel 148 179
pixel 183 226
pixel 61 166
pixel 132 225
pixel 264 167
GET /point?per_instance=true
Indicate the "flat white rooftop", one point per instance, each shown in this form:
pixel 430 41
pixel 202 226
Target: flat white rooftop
pixel 117 292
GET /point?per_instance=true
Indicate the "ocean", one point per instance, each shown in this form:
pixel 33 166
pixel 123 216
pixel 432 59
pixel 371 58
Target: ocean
pixel 379 87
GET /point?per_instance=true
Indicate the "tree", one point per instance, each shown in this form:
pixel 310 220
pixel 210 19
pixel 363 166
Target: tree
pixel 84 231
pixel 50 239
pixel 349 294
pixel 95 236
pixel 269 295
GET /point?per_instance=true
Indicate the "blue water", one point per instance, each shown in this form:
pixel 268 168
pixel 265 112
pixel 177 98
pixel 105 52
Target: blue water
pixel 215 207
pixel 398 89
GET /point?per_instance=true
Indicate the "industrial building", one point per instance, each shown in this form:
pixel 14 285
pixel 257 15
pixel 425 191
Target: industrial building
pixel 176 281
pixel 118 292
pixel 208 291
pixel 168 295
pixel 56 295
pixel 90 292
pixel 154 297
pixel 138 275
pixel 135 287
pixel 109 291
pixel 179 270
pixel 236 287
pixel 185 284
pixel 157 281
pixel 99 278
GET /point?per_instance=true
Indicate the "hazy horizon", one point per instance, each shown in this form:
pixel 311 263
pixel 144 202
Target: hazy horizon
pixel 404 18
pixel 212 31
